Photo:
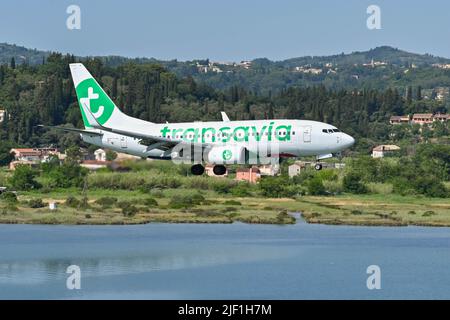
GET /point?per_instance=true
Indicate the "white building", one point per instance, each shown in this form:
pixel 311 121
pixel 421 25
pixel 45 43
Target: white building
pixel 100 155
pixel 383 150
pixel 2 115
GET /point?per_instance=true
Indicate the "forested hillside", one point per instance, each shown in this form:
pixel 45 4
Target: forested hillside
pixel 379 68
pixel 43 93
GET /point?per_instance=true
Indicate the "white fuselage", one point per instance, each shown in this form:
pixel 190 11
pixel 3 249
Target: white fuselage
pixel 290 138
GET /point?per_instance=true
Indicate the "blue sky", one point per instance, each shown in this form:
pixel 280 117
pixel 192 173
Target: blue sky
pixel 227 30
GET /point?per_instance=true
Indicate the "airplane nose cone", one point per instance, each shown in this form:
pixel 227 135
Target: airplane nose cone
pixel 348 140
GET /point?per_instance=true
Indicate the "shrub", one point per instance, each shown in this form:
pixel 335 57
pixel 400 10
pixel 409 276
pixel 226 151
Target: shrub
pixel 333 187
pixel 315 187
pixel 197 199
pixel 123 204
pixel 428 213
pixel 149 202
pixel 178 202
pixel 232 203
pixel 352 184
pixel 72 202
pixel 70 174
pixel 157 193
pixel 273 187
pixel 241 190
pixel 23 178
pixel 8 197
pixel 87 216
pixel 36 203
pixel 106 202
pixel 129 211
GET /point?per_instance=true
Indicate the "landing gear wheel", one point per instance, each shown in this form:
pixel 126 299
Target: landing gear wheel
pixel 197 169
pixel 318 166
pixel 219 170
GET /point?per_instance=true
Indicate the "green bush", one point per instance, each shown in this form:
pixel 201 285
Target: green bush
pixel 23 178
pixel 352 184
pixel 232 203
pixel 316 187
pixel 149 202
pixel 197 199
pixel 274 187
pixel 129 211
pixel 123 204
pixel 178 202
pixel 8 197
pixel 36 203
pixel 72 202
pixel 241 190
pixel 69 174
pixel 106 202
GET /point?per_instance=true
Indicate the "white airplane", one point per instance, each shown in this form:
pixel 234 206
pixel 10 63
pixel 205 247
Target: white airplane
pixel 219 142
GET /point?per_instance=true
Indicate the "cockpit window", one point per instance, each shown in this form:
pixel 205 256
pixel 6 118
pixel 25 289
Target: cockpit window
pixel 325 130
pixel 336 130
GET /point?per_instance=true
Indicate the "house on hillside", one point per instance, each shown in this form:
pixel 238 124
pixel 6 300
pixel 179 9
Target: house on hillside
pixel 2 115
pixel 384 150
pixel 441 117
pixel 399 119
pixel 251 175
pixel 422 118
pixel 32 156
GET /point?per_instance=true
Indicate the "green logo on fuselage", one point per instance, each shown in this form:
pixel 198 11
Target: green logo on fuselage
pixel 91 95
pixel 226 134
pixel 226 155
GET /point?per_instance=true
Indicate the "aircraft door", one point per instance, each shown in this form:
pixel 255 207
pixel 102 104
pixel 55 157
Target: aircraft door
pixel 123 142
pixel 307 134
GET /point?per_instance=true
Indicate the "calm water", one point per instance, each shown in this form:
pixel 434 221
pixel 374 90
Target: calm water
pixel 239 261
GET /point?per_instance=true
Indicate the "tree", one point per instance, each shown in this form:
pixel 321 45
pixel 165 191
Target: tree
pixel 316 187
pixel 352 184
pixel 111 155
pixel 13 63
pixel 23 178
pixel 73 154
pixel 5 156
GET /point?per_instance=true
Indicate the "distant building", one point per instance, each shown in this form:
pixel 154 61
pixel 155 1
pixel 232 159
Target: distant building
pixel 422 118
pixel 2 115
pixel 399 119
pixel 308 70
pixel 441 117
pixel 383 150
pixel 100 155
pixel 296 168
pixel 269 169
pixel 32 156
pixel 251 175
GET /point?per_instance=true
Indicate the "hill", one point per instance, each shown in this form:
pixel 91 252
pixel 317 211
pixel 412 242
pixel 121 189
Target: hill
pixel 379 68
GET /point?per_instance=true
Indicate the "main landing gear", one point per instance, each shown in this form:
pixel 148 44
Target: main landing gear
pixel 198 170
pixel 318 166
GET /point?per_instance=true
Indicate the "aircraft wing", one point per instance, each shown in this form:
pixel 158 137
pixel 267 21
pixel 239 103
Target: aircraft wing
pixel 95 133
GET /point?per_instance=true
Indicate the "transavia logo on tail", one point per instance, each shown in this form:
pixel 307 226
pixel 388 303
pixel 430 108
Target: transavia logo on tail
pixel 91 95
pixel 226 155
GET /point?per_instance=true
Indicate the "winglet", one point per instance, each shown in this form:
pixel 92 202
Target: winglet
pixel 224 117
